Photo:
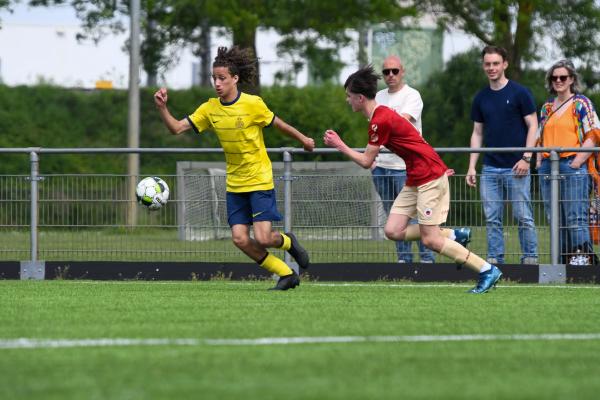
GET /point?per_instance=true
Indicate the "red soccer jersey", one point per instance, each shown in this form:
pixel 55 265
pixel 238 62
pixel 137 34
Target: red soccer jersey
pixel 398 135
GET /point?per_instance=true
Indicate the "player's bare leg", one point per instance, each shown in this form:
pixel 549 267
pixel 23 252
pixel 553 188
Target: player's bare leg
pixel 448 243
pixel 256 250
pixel 395 226
pixel 266 237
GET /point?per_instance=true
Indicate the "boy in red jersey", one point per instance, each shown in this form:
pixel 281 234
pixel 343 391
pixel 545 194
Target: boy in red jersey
pixel 426 194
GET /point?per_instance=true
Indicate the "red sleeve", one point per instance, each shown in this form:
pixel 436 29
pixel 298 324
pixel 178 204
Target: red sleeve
pixel 379 132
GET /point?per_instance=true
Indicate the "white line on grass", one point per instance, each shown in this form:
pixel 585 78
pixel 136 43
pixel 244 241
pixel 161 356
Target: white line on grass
pixel 350 284
pixel 25 343
pixel 457 285
pixel 391 339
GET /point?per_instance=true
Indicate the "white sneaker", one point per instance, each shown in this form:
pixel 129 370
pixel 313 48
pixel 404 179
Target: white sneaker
pixel 530 260
pixel 580 259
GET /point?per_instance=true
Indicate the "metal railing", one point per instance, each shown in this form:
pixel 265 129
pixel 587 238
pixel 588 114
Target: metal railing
pixel 34 177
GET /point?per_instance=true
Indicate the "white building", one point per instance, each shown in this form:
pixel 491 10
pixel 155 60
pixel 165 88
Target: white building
pixel 39 45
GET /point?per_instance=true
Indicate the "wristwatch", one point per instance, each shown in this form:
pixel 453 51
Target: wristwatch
pixel 527 159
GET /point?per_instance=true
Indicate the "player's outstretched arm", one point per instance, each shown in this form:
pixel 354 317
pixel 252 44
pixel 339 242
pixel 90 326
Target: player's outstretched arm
pixel 365 160
pixel 307 143
pixel 175 127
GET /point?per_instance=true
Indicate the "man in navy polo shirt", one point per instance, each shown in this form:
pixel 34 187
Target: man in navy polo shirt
pixel 504 115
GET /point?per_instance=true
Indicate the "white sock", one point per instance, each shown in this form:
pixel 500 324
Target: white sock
pixel 486 267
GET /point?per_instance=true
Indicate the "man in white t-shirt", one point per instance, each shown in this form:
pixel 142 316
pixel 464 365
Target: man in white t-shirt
pixel 389 174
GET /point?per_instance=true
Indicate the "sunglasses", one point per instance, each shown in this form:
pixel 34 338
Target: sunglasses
pixel 562 78
pixel 387 71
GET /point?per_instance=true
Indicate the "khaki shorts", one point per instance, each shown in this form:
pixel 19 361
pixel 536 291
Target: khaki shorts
pixel 429 203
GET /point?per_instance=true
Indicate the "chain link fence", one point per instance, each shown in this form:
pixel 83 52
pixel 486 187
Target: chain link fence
pixel 334 209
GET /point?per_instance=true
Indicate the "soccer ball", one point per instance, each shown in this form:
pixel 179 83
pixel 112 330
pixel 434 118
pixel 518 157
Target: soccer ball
pixel 152 192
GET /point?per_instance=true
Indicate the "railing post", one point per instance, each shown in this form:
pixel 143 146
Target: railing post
pixel 33 180
pixel 33 269
pixel 554 208
pixel 287 201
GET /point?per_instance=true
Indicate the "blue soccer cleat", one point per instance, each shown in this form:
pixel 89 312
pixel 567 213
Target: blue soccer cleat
pixel 487 280
pixel 463 236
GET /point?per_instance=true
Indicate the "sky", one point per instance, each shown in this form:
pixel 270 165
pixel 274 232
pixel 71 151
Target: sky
pixel 38 44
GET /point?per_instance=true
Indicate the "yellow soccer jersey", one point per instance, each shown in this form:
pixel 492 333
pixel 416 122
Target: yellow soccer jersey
pixel 239 127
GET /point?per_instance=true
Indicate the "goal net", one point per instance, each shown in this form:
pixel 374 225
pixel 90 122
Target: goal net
pixel 329 201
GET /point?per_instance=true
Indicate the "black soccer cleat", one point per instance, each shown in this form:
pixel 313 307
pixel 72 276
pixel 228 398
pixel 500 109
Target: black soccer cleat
pixel 287 282
pixel 298 252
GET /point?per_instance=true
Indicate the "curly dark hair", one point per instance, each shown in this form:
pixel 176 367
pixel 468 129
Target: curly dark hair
pixel 239 61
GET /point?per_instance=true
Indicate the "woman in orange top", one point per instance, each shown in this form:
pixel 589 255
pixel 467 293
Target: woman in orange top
pixel 568 120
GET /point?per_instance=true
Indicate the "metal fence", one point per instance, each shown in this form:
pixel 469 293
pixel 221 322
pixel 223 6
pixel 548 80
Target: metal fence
pixel 86 217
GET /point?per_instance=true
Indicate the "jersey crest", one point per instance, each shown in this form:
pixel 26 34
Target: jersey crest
pixel 374 136
pixel 239 123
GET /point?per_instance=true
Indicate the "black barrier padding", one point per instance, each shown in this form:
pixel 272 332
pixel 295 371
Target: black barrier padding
pixel 10 270
pixel 112 270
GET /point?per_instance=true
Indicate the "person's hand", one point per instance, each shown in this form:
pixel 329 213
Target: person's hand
pixel 450 172
pixel 308 143
pixel 521 169
pixel 574 165
pixel 160 97
pixel 332 139
pixel 471 177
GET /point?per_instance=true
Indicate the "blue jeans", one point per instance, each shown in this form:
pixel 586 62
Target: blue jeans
pixel 497 186
pixel 573 193
pixel 389 183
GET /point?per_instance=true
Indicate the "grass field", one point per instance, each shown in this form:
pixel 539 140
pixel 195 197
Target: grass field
pixel 353 341
pixel 153 244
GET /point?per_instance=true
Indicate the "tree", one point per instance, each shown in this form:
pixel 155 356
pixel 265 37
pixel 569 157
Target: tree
pixel 314 30
pixel 304 24
pixel 179 22
pixel 192 22
pixel 102 17
pixel 8 5
pixel 520 26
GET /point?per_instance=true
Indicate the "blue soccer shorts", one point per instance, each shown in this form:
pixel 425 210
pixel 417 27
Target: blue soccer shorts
pixel 245 208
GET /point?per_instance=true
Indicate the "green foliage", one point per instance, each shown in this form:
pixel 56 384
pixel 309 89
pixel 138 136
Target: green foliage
pixel 313 110
pixel 522 26
pixel 447 105
pixel 45 116
pixel 448 96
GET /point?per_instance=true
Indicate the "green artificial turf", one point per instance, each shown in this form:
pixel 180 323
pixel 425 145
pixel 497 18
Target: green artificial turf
pixel 469 369
pixel 152 244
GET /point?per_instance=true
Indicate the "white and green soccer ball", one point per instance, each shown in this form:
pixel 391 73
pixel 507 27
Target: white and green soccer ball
pixel 152 192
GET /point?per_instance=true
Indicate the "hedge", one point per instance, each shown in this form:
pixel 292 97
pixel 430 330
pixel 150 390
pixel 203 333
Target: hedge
pixel 47 116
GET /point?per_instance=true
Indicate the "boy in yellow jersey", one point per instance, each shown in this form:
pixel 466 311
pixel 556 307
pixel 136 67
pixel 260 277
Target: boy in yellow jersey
pixel 238 120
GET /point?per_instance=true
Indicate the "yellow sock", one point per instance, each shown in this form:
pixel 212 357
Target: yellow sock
pixel 287 242
pixel 275 265
pixel 461 255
